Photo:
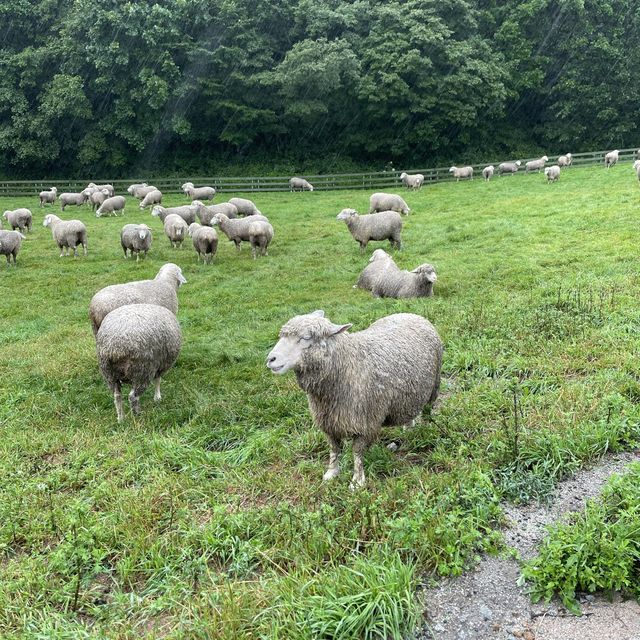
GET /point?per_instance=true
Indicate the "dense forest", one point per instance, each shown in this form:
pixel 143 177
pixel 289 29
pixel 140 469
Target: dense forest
pixel 112 88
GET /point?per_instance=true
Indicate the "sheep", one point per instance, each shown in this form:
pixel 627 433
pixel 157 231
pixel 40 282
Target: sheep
pixel 205 241
pixel 565 160
pixel 462 172
pixel 136 238
pixel 414 181
pixel 509 167
pixel 245 207
pixel 611 158
pixel 636 166
pixel 139 191
pixel 236 230
pixel 299 184
pixel 101 187
pixel 487 172
pixel 111 205
pixel 72 198
pixel 357 383
pixel 97 198
pixel 260 236
pixel 137 344
pixel 152 197
pixel 388 202
pixel 175 228
pixel 552 173
pixel 162 290
pixel 48 197
pixel 19 219
pixel 535 165
pixel 68 234
pixel 187 212
pixel 205 214
pixel 10 243
pixel 385 280
pixel 198 193
pixel 132 189
pixel 384 225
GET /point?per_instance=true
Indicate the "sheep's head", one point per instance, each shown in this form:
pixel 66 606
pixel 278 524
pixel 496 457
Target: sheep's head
pixel 170 271
pixel 196 204
pixel 426 271
pixel 143 231
pixel 568 155
pixel 544 159
pixel 5 215
pixel 452 169
pixel 299 337
pixel 345 214
pixel 186 186
pixel 193 226
pixel 49 219
pixel 546 171
pixel 403 175
pixel 310 187
pixel 105 192
pixel 54 189
pixel 218 218
pixel 518 163
pixel 156 211
pixel 91 185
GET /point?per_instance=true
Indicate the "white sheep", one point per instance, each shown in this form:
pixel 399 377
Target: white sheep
pixel 205 214
pixel 462 173
pixel 198 193
pixel 133 188
pixel 175 228
pixel 237 230
pixel 111 205
pixel 260 236
pixel 205 241
pixel 152 197
pixel 75 199
pixel 68 234
pixel 388 202
pixel 414 181
pixel 97 198
pixel 10 243
pixel 536 165
pixel 552 173
pixel 139 191
pixel 299 184
pixel 21 219
pixel 187 212
pixel 636 166
pixel 565 160
pixel 487 172
pixel 383 225
pixel 245 207
pixel 509 167
pixel 136 238
pixel 48 197
pixel 611 158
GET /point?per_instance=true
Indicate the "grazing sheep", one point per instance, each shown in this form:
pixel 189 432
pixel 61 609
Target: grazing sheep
pixel 385 280
pixel 10 243
pixel 68 234
pixel 237 230
pixel 359 382
pixel 388 202
pixel 136 238
pixel 611 158
pixel 636 166
pixel 245 207
pixel 565 160
pixel 111 205
pixel 48 197
pixel 152 197
pixel 132 189
pixel 205 241
pixel 414 181
pixel 535 165
pixel 552 173
pixel 72 198
pixel 187 212
pixel 140 192
pixel 462 172
pixel 509 167
pixel 175 228
pixel 260 236
pixel 137 344
pixel 300 184
pixel 19 219
pixel 487 172
pixel 384 225
pixel 97 198
pixel 162 290
pixel 205 214
pixel 198 193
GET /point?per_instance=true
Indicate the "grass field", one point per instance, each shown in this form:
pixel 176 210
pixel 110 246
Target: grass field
pixel 206 516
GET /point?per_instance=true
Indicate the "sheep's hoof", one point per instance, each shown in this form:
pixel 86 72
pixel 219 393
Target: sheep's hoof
pixel 356 483
pixel 330 474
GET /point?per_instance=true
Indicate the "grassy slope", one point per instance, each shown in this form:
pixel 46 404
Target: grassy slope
pixel 206 516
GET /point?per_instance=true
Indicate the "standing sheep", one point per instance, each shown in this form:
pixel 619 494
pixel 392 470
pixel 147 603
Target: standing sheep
pixel 175 228
pixel 565 160
pixel 48 197
pixel 236 230
pixel 111 205
pixel 205 241
pixel 75 199
pixel 414 181
pixel 205 214
pixel 152 197
pixel 187 212
pixel 139 191
pixel 300 184
pixel 245 207
pixel 536 165
pixel 198 193
pixel 487 172
pixel 552 173
pixel 19 219
pixel 611 158
pixel 136 238
pixel 68 234
pixel 636 166
pixel 97 198
pixel 388 202
pixel 359 382
pixel 462 173
pixel 384 225
pixel 260 237
pixel 101 187
pixel 132 189
pixel 10 243
pixel 137 344
pixel 509 167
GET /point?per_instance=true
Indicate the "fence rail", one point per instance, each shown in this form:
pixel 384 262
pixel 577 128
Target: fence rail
pixel 327 182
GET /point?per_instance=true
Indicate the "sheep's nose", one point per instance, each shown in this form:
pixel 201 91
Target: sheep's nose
pixel 270 359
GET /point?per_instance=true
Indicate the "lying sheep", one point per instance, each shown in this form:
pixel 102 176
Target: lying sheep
pixel 136 238
pixel 565 160
pixel 385 280
pixel 509 167
pixel 111 205
pixel 48 197
pixel 132 189
pixel 462 173
pixel 205 241
pixel 68 234
pixel 75 199
pixel 487 172
pixel 139 192
pixel 152 197
pixel 552 173
pixel 359 382
pixel 19 219
pixel 387 202
pixel 137 344
pixel 414 181
pixel 97 198
pixel 611 158
pixel 10 243
pixel 198 193
pixel 384 225
pixel 175 228
pixel 205 214
pixel 260 236
pixel 236 230
pixel 245 207
pixel 162 290
pixel 187 212
pixel 300 184
pixel 535 165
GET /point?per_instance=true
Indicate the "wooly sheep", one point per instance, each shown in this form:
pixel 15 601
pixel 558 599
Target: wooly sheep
pixel 68 234
pixel 300 184
pixel 19 219
pixel 260 236
pixel 535 165
pixel 10 243
pixel 132 189
pixel 414 181
pixel 487 172
pixel 100 187
pixel 97 198
pixel 187 212
pixel 611 158
pixel 462 173
pixel 72 198
pixel 48 197
pixel 137 344
pixel 152 197
pixel 162 290
pixel 205 213
pixel 111 205
pixel 384 225
pixel 205 241
pixel 245 207
pixel 198 193
pixel 176 229
pixel 552 173
pixel 388 202
pixel 140 192
pixel 136 238
pixel 237 230
pixel 385 280
pixel 509 167
pixel 359 382
pixel 636 166
pixel 565 160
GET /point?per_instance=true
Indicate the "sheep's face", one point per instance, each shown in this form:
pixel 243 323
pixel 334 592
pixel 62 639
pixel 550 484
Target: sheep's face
pixel 403 176
pixel 192 227
pixel 5 215
pixel 299 339
pixel 345 214
pixel 427 272
pixel 518 163
pixel 452 169
pixel 156 211
pixel 47 220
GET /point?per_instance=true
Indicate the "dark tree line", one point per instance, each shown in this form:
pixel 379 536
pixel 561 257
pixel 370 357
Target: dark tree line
pixel 122 88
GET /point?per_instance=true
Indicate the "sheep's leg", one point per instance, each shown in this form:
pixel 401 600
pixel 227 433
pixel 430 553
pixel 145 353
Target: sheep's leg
pixel 157 396
pixel 363 246
pixel 134 397
pixel 117 400
pixel 360 445
pixel 8 259
pixel 333 469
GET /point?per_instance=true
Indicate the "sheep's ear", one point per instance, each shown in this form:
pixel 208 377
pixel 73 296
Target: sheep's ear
pixel 318 312
pixel 339 328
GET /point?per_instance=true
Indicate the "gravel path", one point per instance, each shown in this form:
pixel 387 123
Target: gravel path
pixel 486 604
